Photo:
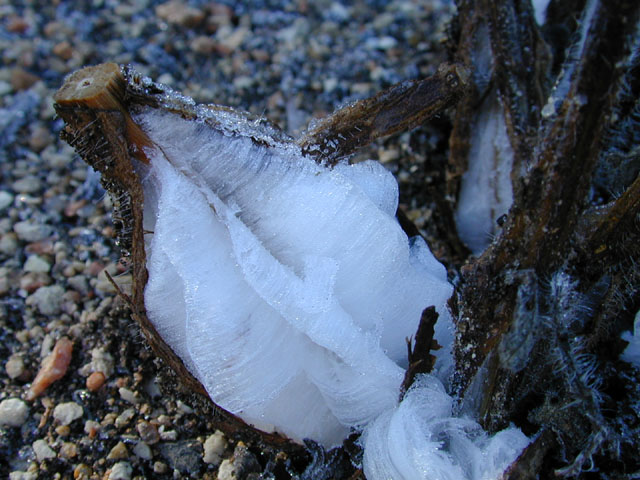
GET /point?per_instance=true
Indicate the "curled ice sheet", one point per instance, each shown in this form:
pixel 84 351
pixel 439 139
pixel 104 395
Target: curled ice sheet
pixel 299 285
pixel 420 439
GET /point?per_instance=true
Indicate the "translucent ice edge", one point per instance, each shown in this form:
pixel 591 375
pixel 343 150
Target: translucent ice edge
pixel 631 354
pixel 485 191
pixel 420 439
pixel 288 288
pixel 540 10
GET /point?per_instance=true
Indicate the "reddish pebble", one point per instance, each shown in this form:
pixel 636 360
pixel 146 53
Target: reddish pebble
pixel 53 368
pixel 17 25
pixel 43 247
pixel 95 381
pixel 72 207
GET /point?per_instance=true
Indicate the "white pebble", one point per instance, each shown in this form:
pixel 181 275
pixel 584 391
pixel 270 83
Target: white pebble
pixel 14 366
pixel 120 471
pixel 20 475
pixel 227 471
pixel 214 447
pixel 125 417
pixel 42 450
pixel 36 263
pixel 47 299
pixel 65 413
pixel 13 412
pixel 128 395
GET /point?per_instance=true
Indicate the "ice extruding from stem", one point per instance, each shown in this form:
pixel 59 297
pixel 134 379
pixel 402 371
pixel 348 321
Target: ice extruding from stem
pixel 298 285
pixel 631 354
pixel 288 289
pixel 485 192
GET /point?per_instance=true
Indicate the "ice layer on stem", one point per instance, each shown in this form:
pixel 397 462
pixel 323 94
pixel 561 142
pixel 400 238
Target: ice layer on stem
pixel 288 287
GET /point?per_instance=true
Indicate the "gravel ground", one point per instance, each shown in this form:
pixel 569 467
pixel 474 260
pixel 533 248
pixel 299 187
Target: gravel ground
pixel 107 417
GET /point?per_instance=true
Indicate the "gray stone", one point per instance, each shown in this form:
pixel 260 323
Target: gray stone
pixel 184 456
pixel 6 199
pixel 9 243
pixel 29 231
pixel 28 184
pixel 13 412
pixel 143 451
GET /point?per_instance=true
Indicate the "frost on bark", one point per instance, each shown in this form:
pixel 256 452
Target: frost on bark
pixel 541 310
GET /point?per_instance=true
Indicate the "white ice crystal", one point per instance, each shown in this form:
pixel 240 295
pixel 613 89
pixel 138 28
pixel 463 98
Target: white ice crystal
pixel 298 285
pixel 540 10
pixel 485 192
pixel 631 354
pixel 420 439
pixel 288 288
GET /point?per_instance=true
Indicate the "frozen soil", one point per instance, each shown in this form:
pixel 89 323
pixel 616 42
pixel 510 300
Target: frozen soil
pixel 288 61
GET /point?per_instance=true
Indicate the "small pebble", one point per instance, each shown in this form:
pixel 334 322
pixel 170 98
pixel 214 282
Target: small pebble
pixel 160 467
pixel 148 432
pixel 143 451
pixel 40 137
pixel 53 367
pixel 68 450
pixel 9 244
pixel 240 465
pixel 13 412
pixel 28 184
pixel 121 471
pixel 179 13
pixel 91 428
pixel 168 435
pixel 5 285
pixel 42 450
pixel 30 231
pixel 119 452
pixel 64 50
pixel 183 407
pixel 6 199
pixel 47 299
pixel 82 472
pixel 95 381
pixel 125 417
pixel 14 366
pixel 214 447
pixel 32 281
pixel 67 412
pixel 20 475
pixel 21 79
pixel 35 263
pixel 129 396
pixel 102 361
